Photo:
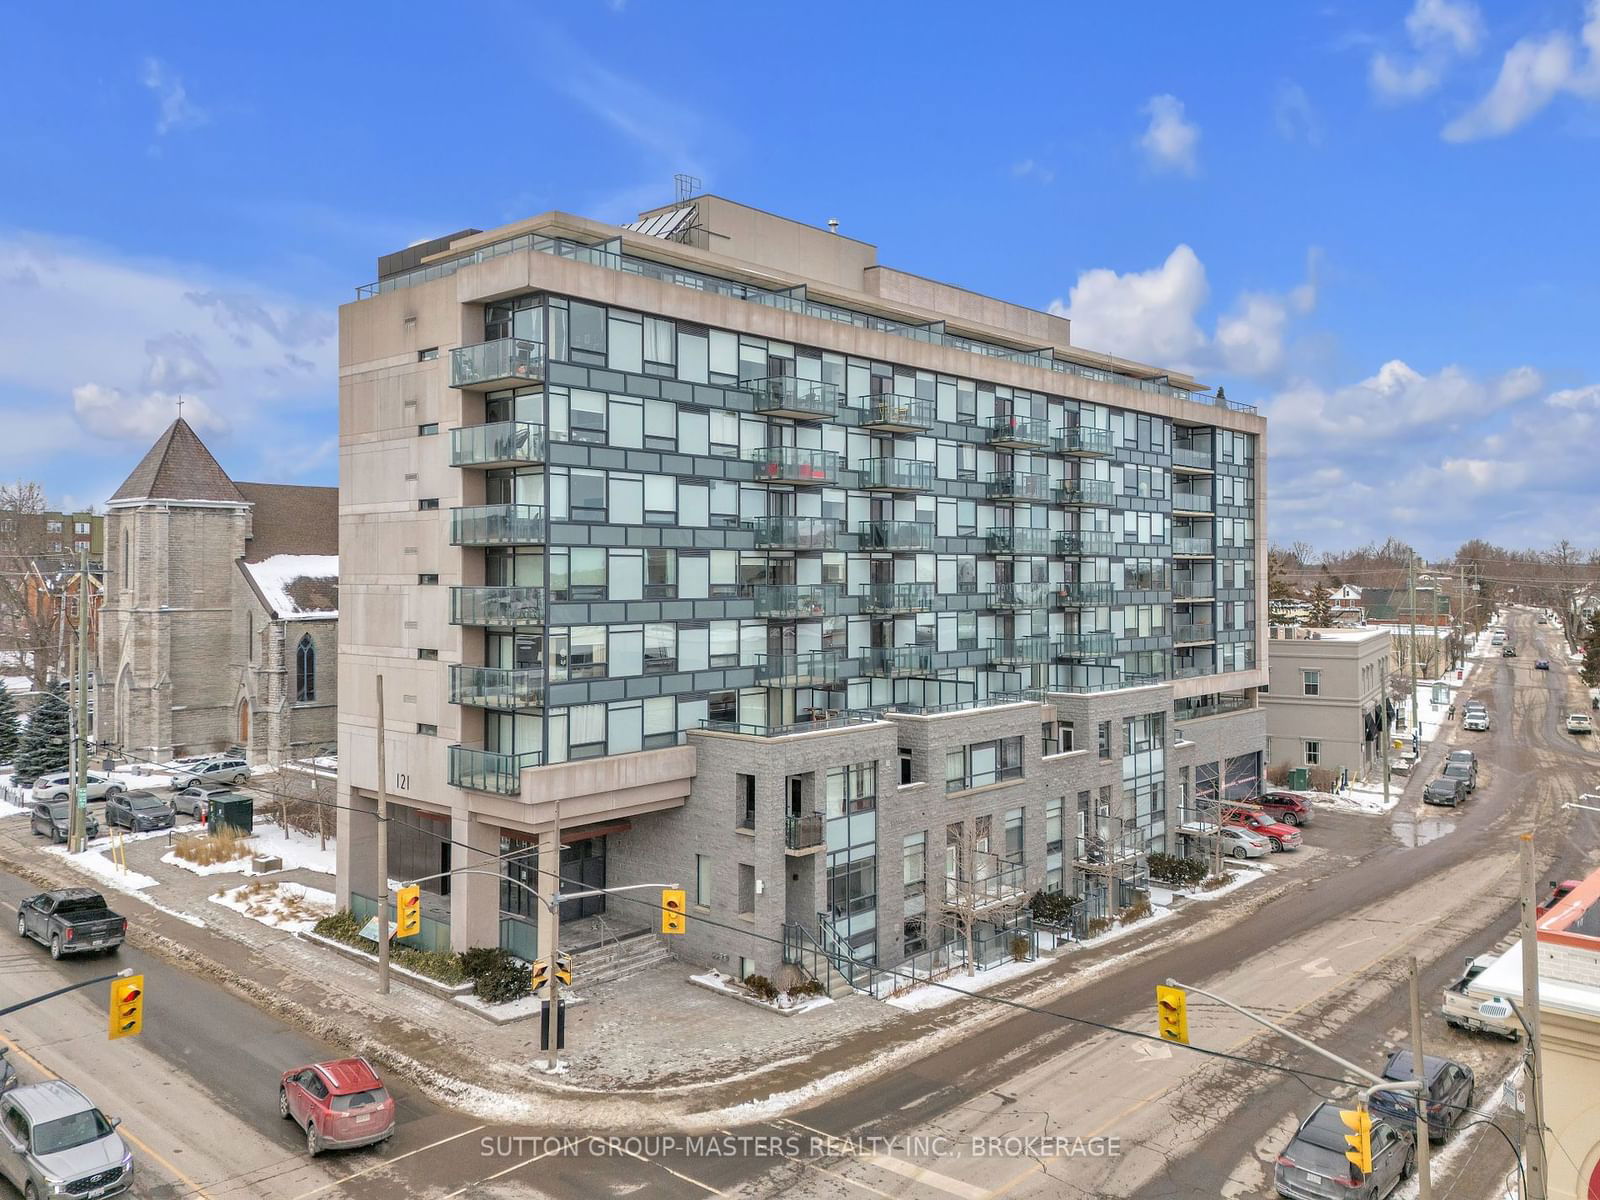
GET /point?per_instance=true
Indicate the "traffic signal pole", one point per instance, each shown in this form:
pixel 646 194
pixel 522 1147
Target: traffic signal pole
pixel 383 852
pixel 552 987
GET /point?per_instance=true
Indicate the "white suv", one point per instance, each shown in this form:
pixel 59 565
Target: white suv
pixel 60 786
pixel 233 771
pixel 1580 723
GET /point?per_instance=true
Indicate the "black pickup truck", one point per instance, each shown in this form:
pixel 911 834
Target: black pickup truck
pixel 71 921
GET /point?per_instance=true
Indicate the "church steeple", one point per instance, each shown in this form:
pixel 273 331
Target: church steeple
pixel 178 467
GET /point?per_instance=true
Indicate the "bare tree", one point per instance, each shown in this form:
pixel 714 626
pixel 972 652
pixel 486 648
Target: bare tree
pixel 30 556
pixel 980 887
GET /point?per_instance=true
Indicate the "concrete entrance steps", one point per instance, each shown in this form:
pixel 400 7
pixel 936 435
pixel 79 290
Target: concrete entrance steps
pixel 614 959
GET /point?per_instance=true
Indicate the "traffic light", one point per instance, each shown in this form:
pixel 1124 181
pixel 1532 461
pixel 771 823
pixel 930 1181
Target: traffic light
pixel 564 968
pixel 1172 1014
pixel 673 914
pixel 127 1007
pixel 538 976
pixel 1359 1122
pixel 408 912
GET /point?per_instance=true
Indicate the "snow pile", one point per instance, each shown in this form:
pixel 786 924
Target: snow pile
pixel 275 577
pixel 95 864
pixel 299 851
pixel 288 906
pixel 728 986
pixel 952 987
pixel 141 779
pixel 232 866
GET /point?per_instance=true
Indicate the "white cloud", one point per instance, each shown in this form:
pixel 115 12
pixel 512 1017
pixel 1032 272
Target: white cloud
pixel 1439 31
pixel 175 109
pixel 1394 80
pixel 1534 72
pixel 111 413
pixel 1295 117
pixel 1170 141
pixel 1031 169
pixel 1457 25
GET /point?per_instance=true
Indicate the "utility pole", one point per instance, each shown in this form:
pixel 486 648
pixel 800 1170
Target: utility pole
pixel 77 825
pixel 1383 707
pixel 1411 588
pixel 552 985
pixel 1533 1121
pixel 383 851
pixel 1424 1174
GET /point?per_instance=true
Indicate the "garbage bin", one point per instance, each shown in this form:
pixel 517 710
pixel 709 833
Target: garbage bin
pixel 1299 779
pixel 230 812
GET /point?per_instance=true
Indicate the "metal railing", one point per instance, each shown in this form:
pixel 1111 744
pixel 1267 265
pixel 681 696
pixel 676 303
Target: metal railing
pixel 896 535
pixel 1022 651
pixel 512 606
pixel 1085 492
pixel 1190 502
pixel 796 600
pixel 1194 546
pixel 1191 710
pixel 1086 645
pixel 825 720
pixel 1194 633
pixel 805 831
pixel 497 525
pixel 1193 589
pixel 501 363
pixel 497 687
pixel 794 464
pixel 1083 439
pixel 1084 593
pixel 795 533
pixel 897 412
pixel 995 880
pixel 896 475
pixel 1200 460
pixel 1017 485
pixel 499 443
pixel 1006 539
pixel 787 396
pixel 898 660
pixel 896 597
pixel 1086 543
pixel 1012 430
pixel 1020 595
pixel 798 670
pixel 490 770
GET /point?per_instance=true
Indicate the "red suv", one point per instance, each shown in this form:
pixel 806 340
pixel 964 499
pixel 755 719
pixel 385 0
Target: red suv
pixel 1286 807
pixel 1282 837
pixel 341 1103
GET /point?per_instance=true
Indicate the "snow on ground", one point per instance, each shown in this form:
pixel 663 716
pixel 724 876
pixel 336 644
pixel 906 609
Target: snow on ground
pixel 299 851
pixel 141 779
pixel 957 984
pixel 96 864
pixel 17 685
pixel 728 986
pixel 13 800
pixel 290 906
pixel 524 1006
pixel 231 867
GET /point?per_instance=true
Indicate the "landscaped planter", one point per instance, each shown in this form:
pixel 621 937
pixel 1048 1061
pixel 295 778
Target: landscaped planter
pixel 444 990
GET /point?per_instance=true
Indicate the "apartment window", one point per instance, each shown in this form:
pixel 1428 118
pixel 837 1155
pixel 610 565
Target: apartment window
pixel 430 429
pixel 983 763
pixel 1313 754
pixel 428 355
pixel 431 504
pixel 1102 738
pixel 905 766
pixel 660 648
pixel 914 863
pixel 53 526
pixel 915 932
pixel 427 654
pixel 745 801
pixel 428 580
pixel 1311 682
pixel 427 730
pixel 81 527
pixel 747 889
pixel 1052 824
pixel 1013 834
pixel 702 880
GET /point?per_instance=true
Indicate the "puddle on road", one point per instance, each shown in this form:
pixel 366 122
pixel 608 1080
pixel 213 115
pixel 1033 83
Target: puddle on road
pixel 1410 831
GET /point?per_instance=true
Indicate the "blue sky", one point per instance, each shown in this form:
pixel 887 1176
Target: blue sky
pixel 1366 218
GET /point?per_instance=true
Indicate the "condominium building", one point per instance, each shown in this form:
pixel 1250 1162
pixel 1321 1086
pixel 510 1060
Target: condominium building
pixel 827 592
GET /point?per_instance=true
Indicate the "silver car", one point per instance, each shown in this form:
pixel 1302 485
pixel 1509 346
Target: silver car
pixel 233 771
pixel 60 786
pixel 53 1142
pixel 1313 1166
pixel 1244 843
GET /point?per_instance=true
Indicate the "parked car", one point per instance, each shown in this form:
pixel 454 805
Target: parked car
pixel 213 770
pixel 1466 756
pixel 1543 621
pixel 1449 1093
pixel 1509 651
pixel 1476 722
pixel 1313 1166
pixel 52 819
pixel 1499 639
pixel 1445 790
pixel 1279 836
pixel 341 1103
pixel 1541 664
pixel 8 1073
pixel 1243 843
pixel 138 812
pixel 1464 771
pixel 60 786
pixel 59 1144
pixel 1580 723
pixel 1468 1012
pixel 1287 807
pixel 71 921
pixel 195 800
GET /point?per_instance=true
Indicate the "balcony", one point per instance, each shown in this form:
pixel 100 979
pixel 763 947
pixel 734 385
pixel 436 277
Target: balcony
pixel 797 399
pixel 497 525
pixel 886 598
pixel 896 475
pixel 1190 502
pixel 897 414
pixel 489 366
pixel 805 833
pixel 898 660
pixel 1085 492
pixel 1193 589
pixel 1087 543
pixel 497 444
pixel 1017 485
pixel 811 668
pixel 510 607
pixel 1193 635
pixel 1192 670
pixel 1021 595
pixel 1019 433
pixel 1017 540
pixel 1086 645
pixel 896 535
pixel 1023 651
pixel 1191 547
pixel 796 601
pixel 792 464
pixel 497 687
pixel 1185 459
pixel 795 533
pixel 1083 439
pixel 490 770
pixel 1082 594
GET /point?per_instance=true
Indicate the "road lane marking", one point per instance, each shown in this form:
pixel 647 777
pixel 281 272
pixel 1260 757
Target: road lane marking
pixel 654 1163
pixel 925 1175
pixel 836 1176
pixel 499 1174
pixel 378 1166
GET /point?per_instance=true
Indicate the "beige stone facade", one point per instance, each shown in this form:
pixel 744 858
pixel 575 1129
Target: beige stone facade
pixel 1324 696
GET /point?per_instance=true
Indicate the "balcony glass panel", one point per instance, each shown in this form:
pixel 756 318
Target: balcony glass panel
pixel 497 525
pixel 897 412
pixel 1080 593
pixel 802 399
pixel 1191 502
pixel 501 363
pixel 1082 439
pixel 1089 543
pixel 1014 540
pixel 1024 650
pixel 498 444
pixel 497 687
pixel 1017 485
pixel 796 670
pixel 898 660
pixel 1199 460
pixel 490 770
pixel 793 464
pixel 1086 491
pixel 795 533
pixel 511 606
pixel 897 475
pixel 896 597
pixel 1194 633
pixel 1193 589
pixel 1086 645
pixel 796 600
pixel 1191 545
pixel 1007 430
pixel 1020 595
pixel 896 535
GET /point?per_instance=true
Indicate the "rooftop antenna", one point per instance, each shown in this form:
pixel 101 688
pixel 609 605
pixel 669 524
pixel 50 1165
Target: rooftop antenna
pixel 688 187
pixel 833 224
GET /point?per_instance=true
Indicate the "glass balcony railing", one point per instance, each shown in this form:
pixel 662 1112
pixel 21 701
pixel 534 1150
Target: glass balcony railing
pixel 1083 593
pixel 794 464
pixel 497 687
pixel 1016 540
pixel 497 525
pixel 1085 492
pixel 896 475
pixel 1193 502
pixel 490 770
pixel 1193 634
pixel 1017 485
pixel 497 444
pixel 1022 651
pixel 496 606
pixel 898 660
pixel 1020 595
pixel 1193 547
pixel 1020 432
pixel 896 597
pixel 490 365
pixel 899 414
pixel 796 601
pixel 805 832
pixel 798 399
pixel 1194 460
pixel 1193 589
pixel 1082 439
pixel 1086 543
pixel 1192 670
pixel 1086 645
pixel 896 535
pixel 795 533
pixel 808 668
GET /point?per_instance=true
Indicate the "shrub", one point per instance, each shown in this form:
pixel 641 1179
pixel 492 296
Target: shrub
pixel 1136 911
pixel 1217 881
pixel 208 849
pixel 1019 949
pixel 1096 926
pixel 441 965
pixel 484 960
pixel 506 981
pixel 1052 908
pixel 763 987
pixel 1278 776
pixel 341 926
pixel 1176 870
pixel 809 987
pixel 1323 779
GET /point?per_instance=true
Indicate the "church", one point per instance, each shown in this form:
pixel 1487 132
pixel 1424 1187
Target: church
pixel 219 626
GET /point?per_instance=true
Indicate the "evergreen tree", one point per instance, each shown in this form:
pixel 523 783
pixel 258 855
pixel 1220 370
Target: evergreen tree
pixel 44 745
pixel 1591 651
pixel 1321 616
pixel 10 727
